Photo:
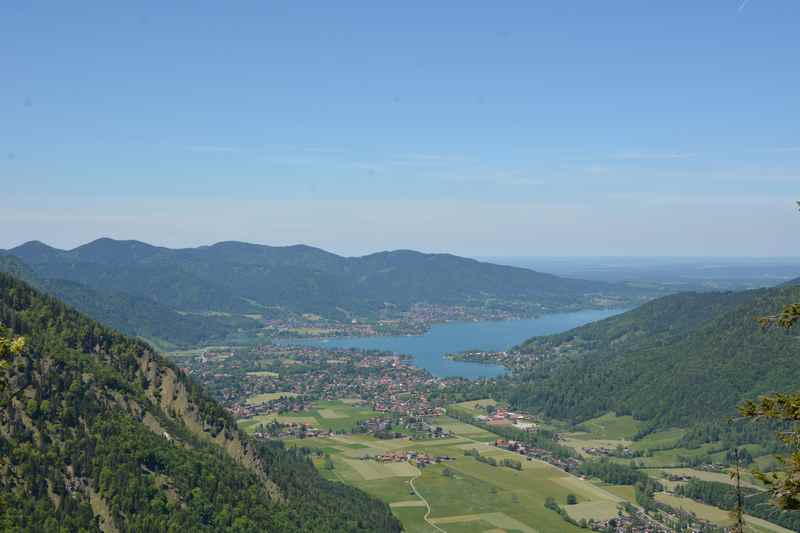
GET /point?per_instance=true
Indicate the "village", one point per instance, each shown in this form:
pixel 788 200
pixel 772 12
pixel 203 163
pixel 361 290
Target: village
pixel 418 459
pixel 276 378
pixel 416 320
pixel 285 384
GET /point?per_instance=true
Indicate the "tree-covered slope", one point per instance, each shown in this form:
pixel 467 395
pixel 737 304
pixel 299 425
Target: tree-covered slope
pixel 98 433
pixel 674 361
pixel 133 315
pixel 240 277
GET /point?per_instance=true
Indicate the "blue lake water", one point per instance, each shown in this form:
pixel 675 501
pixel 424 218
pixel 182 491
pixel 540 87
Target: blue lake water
pixel 429 349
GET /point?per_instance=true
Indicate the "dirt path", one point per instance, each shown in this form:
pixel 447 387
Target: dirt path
pixel 427 506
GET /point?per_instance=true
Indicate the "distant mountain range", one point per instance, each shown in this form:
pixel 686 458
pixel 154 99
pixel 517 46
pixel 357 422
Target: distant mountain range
pixel 674 361
pixel 181 295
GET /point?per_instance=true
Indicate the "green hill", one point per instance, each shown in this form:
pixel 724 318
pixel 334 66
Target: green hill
pixel 134 315
pixel 100 434
pixel 674 361
pixel 239 277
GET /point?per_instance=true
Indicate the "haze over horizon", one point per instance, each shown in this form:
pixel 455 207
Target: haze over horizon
pixel 613 129
pixel 512 260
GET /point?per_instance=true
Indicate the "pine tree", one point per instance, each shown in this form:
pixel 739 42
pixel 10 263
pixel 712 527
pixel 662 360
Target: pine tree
pixel 784 486
pixel 9 346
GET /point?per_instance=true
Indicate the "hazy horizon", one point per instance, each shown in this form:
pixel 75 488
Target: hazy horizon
pixel 627 259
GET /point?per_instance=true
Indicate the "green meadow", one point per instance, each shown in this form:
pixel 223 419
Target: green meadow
pixel 465 495
pixel 333 415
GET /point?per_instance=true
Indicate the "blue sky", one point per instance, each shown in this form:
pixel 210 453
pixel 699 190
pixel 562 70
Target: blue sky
pixel 480 128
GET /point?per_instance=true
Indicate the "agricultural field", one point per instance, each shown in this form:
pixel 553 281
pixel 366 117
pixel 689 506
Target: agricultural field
pixel 263 373
pixel 610 427
pixel 464 495
pixel 719 477
pixel 719 516
pixel 268 396
pixel 610 431
pixel 474 407
pixel 333 415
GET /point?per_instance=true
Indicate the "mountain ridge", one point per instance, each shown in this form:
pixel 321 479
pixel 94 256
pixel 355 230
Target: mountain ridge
pixel 237 278
pixel 674 361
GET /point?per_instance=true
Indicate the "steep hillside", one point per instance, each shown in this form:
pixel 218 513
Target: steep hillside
pixel 98 433
pixel 674 361
pixel 240 278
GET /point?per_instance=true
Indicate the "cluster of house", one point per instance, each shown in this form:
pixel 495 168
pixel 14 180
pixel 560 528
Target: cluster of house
pixel 626 524
pixel 419 459
pixel 412 406
pixel 569 464
pixel 278 405
pixel 430 432
pixel 502 417
pixel 291 429
pixel 677 477
pixel 610 452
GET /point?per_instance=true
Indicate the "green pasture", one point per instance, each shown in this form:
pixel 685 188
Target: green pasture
pixel 473 496
pixel 332 415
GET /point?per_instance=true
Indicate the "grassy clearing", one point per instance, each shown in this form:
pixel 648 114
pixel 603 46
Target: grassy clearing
pixel 413 520
pixel 601 510
pixel 610 427
pixel 474 407
pixel 333 415
pixel 626 492
pixel 660 439
pixel 719 516
pixel 666 458
pixel 268 397
pixel 407 503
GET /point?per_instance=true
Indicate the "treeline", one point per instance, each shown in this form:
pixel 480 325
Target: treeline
pixel 552 504
pixel 491 461
pixel 735 433
pixel 611 472
pixel 756 503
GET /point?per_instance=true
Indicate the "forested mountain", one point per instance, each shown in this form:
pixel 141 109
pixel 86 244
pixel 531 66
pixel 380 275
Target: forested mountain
pixel 240 278
pixel 99 433
pixel 134 315
pixel 673 361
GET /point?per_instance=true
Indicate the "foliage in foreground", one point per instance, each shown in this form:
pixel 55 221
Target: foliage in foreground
pixel 83 440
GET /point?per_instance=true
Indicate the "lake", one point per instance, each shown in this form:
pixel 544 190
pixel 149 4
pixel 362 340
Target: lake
pixel 429 349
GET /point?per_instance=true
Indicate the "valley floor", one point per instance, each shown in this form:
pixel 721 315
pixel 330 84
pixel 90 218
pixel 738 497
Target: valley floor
pixel 433 486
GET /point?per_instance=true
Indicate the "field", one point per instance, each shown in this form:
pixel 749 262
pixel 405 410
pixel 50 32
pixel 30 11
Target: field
pixel 333 415
pixel 465 495
pixel 610 427
pixel 263 373
pixel 718 516
pixel 269 396
pixel 474 407
pixel 609 431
